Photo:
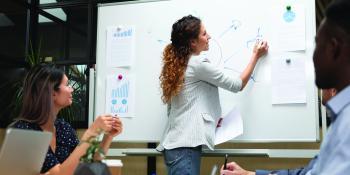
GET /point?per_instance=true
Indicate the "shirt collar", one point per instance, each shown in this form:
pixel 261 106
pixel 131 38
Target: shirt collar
pixel 339 102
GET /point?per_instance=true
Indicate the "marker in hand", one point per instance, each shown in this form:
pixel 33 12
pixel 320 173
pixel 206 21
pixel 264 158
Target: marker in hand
pixel 225 167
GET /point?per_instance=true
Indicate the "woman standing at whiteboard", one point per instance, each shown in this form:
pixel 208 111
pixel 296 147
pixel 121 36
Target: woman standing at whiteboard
pixel 190 88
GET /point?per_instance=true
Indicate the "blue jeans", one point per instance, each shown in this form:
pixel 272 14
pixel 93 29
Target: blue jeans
pixel 183 161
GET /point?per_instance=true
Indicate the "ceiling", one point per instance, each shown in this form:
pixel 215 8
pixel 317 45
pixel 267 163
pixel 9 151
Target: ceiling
pixel 13 27
pixel 15 9
pixel 12 6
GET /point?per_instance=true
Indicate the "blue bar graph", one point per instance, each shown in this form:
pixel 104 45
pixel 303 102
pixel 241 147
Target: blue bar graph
pixel 127 33
pixel 121 92
pixel 119 99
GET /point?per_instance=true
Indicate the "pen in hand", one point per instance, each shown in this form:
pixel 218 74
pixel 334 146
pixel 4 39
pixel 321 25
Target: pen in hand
pixel 226 156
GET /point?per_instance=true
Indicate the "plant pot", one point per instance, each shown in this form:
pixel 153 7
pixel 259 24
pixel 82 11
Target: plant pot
pixel 96 168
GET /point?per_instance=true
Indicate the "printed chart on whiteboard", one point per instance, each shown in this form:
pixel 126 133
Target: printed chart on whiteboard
pixel 119 96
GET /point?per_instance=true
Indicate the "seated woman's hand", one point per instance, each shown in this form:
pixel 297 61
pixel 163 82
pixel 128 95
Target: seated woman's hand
pixel 117 127
pixel 103 123
pixel 106 123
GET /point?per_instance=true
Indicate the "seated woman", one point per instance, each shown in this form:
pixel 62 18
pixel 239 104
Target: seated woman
pixel 45 93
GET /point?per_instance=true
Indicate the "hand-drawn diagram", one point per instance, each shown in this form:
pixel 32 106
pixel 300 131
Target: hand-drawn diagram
pixel 230 47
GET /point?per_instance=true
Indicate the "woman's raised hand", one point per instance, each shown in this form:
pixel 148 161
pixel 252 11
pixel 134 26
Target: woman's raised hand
pixel 260 49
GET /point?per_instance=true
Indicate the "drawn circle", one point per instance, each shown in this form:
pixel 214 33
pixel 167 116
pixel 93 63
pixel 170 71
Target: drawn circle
pixel 114 101
pixel 124 101
pixel 289 16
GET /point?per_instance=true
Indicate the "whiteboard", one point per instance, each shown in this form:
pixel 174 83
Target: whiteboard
pixel 234 25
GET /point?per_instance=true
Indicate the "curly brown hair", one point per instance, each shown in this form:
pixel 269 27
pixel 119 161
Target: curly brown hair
pixel 177 54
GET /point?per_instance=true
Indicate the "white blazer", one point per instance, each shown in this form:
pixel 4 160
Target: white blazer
pixel 193 114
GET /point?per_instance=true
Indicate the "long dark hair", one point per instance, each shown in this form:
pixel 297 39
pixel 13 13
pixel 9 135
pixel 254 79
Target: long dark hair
pixel 38 87
pixel 177 54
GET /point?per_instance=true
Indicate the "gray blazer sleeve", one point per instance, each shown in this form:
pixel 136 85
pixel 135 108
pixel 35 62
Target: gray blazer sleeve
pixel 297 171
pixel 168 109
pixel 207 72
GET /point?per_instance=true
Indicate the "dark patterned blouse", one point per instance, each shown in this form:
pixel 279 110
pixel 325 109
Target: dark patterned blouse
pixel 66 141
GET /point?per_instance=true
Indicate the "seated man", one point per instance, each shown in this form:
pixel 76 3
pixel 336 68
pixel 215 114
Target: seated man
pixel 332 69
pixel 234 169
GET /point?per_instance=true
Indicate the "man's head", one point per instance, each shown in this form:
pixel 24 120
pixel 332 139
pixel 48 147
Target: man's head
pixel 332 52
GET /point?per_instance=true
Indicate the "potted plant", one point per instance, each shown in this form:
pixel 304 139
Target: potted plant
pixel 88 164
pixel 16 87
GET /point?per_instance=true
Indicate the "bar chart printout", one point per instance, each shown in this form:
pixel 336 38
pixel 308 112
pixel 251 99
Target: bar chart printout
pixel 119 96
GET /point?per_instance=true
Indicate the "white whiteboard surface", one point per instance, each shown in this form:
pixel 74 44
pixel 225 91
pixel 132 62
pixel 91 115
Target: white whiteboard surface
pixel 233 24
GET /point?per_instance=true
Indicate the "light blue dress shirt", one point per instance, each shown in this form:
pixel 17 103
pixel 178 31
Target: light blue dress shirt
pixel 334 157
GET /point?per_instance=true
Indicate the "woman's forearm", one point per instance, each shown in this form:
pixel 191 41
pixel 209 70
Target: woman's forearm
pixel 245 75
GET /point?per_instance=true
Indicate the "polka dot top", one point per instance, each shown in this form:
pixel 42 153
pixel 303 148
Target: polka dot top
pixel 66 141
